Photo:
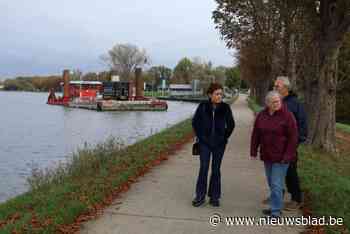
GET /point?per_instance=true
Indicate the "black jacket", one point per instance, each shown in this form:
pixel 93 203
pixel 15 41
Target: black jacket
pixel 204 119
pixel 298 111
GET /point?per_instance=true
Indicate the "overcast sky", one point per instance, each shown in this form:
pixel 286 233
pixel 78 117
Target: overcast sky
pixel 40 37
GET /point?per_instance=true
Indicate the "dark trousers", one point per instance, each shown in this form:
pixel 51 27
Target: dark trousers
pixel 214 191
pixel 292 182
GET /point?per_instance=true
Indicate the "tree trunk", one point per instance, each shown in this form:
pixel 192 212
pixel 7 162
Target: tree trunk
pixel 320 99
pixel 293 63
pixel 261 89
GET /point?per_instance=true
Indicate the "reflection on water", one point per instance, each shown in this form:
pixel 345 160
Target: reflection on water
pixel 33 133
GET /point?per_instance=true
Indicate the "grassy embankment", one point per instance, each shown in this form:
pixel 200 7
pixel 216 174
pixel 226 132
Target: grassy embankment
pixel 61 198
pixel 326 178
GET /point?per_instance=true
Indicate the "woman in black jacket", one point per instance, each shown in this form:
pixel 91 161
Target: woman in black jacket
pixel 213 124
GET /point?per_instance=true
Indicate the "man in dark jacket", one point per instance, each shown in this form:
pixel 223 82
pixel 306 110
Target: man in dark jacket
pixel 213 124
pixel 283 86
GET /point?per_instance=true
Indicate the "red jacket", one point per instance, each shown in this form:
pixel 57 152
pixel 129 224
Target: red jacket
pixel 276 135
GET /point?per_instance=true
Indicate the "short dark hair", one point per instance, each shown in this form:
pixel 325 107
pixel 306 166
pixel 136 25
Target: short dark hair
pixel 213 87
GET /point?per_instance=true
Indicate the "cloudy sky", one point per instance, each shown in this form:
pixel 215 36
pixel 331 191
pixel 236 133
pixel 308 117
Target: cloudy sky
pixel 40 37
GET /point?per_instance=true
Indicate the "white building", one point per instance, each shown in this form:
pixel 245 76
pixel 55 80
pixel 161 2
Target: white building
pixel 180 90
pixel 186 89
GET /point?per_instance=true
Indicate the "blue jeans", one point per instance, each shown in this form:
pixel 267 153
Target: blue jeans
pixel 215 179
pixel 276 174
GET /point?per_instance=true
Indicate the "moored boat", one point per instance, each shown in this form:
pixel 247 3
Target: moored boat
pixel 106 96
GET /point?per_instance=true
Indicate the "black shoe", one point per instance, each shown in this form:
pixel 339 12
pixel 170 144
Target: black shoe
pixel 214 202
pixel 268 212
pixel 198 202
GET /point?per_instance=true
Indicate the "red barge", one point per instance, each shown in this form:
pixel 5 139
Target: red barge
pixel 105 96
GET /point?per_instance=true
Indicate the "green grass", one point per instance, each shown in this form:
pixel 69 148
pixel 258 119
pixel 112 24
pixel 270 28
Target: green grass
pixel 60 195
pixel 343 127
pixel 326 178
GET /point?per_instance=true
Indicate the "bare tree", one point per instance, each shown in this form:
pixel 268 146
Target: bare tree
pixel 124 58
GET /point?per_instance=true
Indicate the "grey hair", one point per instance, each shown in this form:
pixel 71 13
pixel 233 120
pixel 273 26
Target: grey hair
pixel 285 81
pixel 270 95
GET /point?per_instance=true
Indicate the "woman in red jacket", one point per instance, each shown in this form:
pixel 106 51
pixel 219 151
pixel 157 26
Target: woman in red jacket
pixel 275 133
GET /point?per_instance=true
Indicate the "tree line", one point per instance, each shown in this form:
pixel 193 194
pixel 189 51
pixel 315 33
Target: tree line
pixel 297 38
pixel 122 59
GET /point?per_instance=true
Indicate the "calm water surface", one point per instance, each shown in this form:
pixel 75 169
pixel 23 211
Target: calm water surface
pixel 33 133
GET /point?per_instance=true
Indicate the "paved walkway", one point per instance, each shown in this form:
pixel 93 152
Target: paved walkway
pixel 160 202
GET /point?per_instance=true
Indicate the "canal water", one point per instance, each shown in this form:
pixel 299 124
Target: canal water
pixel 34 134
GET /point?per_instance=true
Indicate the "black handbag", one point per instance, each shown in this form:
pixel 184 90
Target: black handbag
pixel 195 148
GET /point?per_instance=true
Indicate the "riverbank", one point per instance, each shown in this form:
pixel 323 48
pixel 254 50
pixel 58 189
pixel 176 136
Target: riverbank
pixel 325 178
pixel 60 199
pixel 35 134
